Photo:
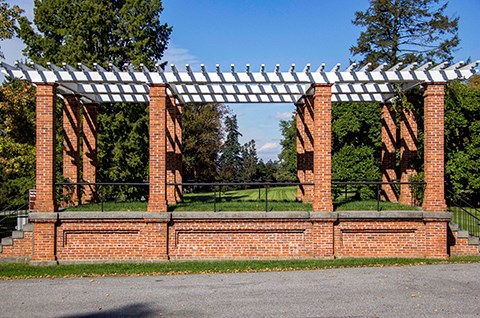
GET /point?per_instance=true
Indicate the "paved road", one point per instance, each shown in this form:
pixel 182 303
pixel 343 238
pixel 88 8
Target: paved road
pixel 417 291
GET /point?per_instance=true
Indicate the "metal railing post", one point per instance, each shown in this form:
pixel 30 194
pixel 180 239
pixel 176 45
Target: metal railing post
pixel 214 199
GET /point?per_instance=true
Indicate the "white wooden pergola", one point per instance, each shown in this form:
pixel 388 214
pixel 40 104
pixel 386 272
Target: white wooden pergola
pixel 128 84
pixel 311 90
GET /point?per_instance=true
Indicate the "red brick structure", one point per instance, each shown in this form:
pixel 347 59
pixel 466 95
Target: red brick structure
pixel 89 153
pixel 45 145
pixel 158 235
pixel 158 149
pixel 322 136
pixel 71 143
pixel 434 150
pixel 408 153
pixel 389 156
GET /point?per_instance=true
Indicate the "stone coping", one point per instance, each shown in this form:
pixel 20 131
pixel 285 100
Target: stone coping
pixel 41 216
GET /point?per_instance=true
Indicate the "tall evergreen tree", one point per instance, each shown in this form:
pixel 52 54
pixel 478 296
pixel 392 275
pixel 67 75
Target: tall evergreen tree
pixel 103 31
pixel 288 155
pixel 202 140
pixel 250 162
pixel 405 31
pixel 95 31
pixel 231 159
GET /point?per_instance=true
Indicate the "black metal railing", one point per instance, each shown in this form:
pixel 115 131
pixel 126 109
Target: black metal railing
pixel 9 216
pixel 218 188
pixel 464 214
pixel 101 192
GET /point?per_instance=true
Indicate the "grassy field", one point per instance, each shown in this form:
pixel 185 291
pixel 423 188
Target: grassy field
pixel 279 199
pixel 16 271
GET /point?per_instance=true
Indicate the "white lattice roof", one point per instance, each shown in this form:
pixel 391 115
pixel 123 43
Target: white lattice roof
pixel 238 86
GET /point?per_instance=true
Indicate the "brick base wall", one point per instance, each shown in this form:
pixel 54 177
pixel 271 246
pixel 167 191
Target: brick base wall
pixel 20 249
pixel 150 236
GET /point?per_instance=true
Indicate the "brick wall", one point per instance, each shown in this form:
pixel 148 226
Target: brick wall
pixel 71 140
pixel 45 148
pixel 132 240
pixel 89 150
pixel 300 137
pixel 389 156
pixel 322 137
pixel 21 248
pixel 157 149
pixel 408 153
pixel 434 167
pixel 135 236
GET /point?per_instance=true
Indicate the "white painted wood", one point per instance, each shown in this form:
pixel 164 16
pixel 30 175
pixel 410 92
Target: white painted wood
pixel 131 85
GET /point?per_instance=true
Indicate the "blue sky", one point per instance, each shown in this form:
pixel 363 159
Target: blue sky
pixel 269 32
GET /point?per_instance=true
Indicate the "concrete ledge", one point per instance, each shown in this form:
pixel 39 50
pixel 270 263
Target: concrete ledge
pixel 324 215
pixel 240 215
pixel 15 260
pixel 380 215
pixel 70 262
pixel 39 216
pixel 113 215
pixel 437 215
pixel 43 263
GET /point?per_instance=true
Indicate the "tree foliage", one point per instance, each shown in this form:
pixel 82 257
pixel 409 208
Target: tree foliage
pixel 17 139
pixel 288 154
pixel 230 162
pixel 249 170
pixel 8 21
pixel 202 140
pixel 462 139
pixel 95 31
pixel 405 31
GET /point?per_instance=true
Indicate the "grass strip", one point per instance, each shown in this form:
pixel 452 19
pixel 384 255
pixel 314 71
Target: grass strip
pixel 18 271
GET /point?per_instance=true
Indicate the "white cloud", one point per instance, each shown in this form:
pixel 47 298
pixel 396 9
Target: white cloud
pixel 268 147
pixel 179 56
pixel 283 115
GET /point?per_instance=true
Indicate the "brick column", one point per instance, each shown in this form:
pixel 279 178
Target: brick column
pixel 308 146
pixel 171 149
pixel 322 108
pixel 157 201
pixel 89 156
pixel 388 156
pixel 178 154
pixel 434 152
pixel 71 141
pixel 299 118
pixel 408 153
pixel 45 148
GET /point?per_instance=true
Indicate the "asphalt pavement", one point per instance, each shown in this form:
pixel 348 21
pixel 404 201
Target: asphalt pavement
pixel 412 291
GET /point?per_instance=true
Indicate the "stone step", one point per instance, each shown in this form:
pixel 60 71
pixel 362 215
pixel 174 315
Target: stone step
pixel 28 227
pixel 463 234
pixel 7 241
pixel 473 240
pixel 17 234
pixel 453 227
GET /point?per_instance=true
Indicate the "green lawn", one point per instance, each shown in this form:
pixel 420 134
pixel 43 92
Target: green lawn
pixel 15 271
pixel 279 199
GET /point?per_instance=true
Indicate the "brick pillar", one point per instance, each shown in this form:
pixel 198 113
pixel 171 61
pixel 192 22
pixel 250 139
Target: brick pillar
pixel 89 156
pixel 299 118
pixel 322 136
pixel 45 148
pixel 71 138
pixel 389 157
pixel 171 149
pixel 157 201
pixel 308 146
pixel 408 153
pixel 434 152
pixel 178 154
